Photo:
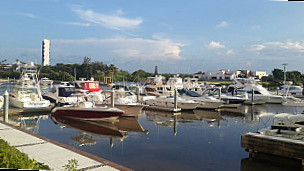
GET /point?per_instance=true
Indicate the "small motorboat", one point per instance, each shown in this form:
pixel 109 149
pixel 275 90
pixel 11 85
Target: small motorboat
pixel 87 111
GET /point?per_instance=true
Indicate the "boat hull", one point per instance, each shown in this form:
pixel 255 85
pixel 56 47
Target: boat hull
pixel 105 114
pixel 129 110
pixel 29 104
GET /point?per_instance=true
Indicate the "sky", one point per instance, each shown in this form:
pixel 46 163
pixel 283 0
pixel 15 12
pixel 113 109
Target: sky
pixel 177 36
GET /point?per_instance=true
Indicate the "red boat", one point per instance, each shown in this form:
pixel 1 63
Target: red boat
pixel 87 111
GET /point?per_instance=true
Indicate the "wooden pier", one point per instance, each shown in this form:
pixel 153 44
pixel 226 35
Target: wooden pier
pixel 274 145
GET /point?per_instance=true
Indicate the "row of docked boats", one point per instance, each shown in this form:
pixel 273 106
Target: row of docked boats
pixel 81 96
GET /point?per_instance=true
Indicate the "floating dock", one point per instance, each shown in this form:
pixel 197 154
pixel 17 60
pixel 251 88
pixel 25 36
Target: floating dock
pixel 52 153
pixel 274 145
pixel 159 108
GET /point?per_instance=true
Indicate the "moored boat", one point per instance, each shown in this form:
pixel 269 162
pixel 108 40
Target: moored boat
pixel 88 111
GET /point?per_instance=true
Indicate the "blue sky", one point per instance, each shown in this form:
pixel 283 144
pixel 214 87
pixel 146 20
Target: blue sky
pixel 178 36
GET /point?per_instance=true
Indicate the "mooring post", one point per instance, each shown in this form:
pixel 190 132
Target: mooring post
pixel 219 92
pixel 137 93
pixel 6 103
pixel 112 98
pixel 252 96
pixel 175 99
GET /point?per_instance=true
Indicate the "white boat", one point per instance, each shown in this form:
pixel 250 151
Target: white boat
pixel 90 88
pixel 175 82
pixel 184 104
pixel 1 101
pixel 61 94
pixel 27 93
pixel 46 81
pixel 249 84
pixel 291 90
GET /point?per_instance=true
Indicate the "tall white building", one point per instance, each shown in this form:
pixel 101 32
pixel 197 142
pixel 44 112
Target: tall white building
pixel 46 45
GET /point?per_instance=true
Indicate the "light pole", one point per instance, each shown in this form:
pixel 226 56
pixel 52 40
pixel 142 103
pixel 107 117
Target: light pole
pixel 284 72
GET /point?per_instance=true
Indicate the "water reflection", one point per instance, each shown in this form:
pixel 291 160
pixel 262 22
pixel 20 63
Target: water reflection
pixel 114 131
pixel 28 122
pixel 205 138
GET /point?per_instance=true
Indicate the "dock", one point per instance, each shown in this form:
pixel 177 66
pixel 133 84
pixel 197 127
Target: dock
pixel 52 153
pixel 160 108
pixel 274 145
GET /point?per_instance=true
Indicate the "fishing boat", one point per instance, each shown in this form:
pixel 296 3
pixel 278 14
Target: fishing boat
pixel 90 88
pixel 27 94
pixel 46 81
pixel 61 94
pixel 249 84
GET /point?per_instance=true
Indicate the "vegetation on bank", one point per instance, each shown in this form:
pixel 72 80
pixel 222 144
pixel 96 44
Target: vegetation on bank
pixel 99 70
pixel 10 157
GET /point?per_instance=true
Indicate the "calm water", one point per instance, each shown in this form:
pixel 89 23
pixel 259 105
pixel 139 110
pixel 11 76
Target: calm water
pixel 199 140
pixel 151 142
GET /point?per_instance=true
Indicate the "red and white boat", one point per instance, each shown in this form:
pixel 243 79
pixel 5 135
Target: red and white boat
pixel 91 89
pixel 88 111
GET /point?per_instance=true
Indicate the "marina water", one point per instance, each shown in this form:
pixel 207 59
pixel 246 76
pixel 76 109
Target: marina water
pixel 200 140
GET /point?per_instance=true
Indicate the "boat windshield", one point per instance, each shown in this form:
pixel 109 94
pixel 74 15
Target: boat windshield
pixel 25 90
pixel 66 91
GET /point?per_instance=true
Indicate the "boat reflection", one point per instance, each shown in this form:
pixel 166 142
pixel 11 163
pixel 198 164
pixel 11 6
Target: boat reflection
pixel 88 129
pixel 28 122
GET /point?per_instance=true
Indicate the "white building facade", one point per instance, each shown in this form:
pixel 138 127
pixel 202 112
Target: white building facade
pixel 46 45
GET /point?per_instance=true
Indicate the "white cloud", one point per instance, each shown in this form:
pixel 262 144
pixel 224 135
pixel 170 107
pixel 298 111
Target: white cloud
pixel 256 47
pixel 114 21
pixel 230 52
pixel 279 46
pixel 79 24
pixel 119 48
pixel 222 24
pixel 29 15
pixel 215 45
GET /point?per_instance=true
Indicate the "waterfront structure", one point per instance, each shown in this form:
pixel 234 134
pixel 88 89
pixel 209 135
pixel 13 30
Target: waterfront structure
pixel 46 44
pixel 222 74
pixel 258 74
pixel 226 74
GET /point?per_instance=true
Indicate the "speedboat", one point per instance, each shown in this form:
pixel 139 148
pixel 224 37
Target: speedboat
pixel 27 93
pixel 46 81
pixel 87 111
pixel 61 94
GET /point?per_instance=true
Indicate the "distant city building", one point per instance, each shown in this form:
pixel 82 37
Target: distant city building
pixel 46 45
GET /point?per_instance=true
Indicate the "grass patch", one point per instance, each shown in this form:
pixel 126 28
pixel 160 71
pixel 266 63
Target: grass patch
pixel 10 157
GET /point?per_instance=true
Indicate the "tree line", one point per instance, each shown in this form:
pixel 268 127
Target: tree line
pixel 88 69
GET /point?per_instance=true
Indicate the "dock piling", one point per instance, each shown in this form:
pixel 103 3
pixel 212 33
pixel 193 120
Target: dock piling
pixel 175 99
pixel 6 104
pixel 137 93
pixel 112 98
pixel 219 92
pixel 252 96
